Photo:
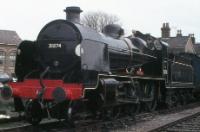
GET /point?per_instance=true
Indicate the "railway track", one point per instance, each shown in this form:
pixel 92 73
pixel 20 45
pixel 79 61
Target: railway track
pixel 187 124
pixel 11 119
pixel 121 124
pixel 166 118
pixel 140 123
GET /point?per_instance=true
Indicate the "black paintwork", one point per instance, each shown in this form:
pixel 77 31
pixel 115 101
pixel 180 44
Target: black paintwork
pixel 55 47
pixel 196 66
pixel 57 41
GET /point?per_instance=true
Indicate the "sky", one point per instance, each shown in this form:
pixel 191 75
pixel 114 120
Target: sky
pixel 27 17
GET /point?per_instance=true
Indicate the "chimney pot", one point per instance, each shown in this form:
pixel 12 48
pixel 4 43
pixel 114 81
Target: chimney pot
pixel 163 24
pixel 179 33
pixel 165 30
pixel 167 25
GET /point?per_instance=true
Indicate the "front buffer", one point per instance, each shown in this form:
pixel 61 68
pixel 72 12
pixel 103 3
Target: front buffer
pixel 55 100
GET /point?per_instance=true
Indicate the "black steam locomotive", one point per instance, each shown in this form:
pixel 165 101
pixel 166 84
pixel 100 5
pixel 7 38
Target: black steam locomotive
pixel 72 69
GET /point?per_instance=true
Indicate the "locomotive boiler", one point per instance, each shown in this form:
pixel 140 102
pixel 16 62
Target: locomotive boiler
pixel 71 69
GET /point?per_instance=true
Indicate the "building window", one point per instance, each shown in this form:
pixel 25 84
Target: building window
pixel 12 58
pixel 2 57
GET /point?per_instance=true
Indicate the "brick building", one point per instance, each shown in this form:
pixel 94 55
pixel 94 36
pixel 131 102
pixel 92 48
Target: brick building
pixel 178 43
pixel 8 45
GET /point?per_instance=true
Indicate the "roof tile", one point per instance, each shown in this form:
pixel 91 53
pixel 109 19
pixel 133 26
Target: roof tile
pixel 9 37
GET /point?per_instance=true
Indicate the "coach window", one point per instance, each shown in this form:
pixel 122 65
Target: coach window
pixel 2 57
pixel 12 58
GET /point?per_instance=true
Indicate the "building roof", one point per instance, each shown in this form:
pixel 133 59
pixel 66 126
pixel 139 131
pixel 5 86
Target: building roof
pixel 177 42
pixel 9 37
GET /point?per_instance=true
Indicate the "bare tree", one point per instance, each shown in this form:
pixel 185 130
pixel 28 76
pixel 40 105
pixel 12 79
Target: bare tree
pixel 98 20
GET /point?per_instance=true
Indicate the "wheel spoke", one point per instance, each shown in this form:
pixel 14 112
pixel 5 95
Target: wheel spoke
pixel 149 97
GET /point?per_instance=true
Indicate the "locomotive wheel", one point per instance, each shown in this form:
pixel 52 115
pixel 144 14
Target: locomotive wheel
pixel 33 112
pixel 107 113
pixel 110 113
pixel 183 100
pixel 151 105
pixel 134 109
pixel 149 95
pixel 189 96
pixel 116 112
pixel 171 100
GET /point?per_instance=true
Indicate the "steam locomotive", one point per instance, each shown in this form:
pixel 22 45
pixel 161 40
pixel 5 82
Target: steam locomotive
pixel 72 69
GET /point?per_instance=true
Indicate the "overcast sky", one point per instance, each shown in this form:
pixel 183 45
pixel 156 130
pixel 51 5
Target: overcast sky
pixel 27 17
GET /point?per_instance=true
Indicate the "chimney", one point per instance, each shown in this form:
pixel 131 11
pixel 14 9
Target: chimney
pixel 165 30
pixel 192 37
pixel 73 14
pixel 179 33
